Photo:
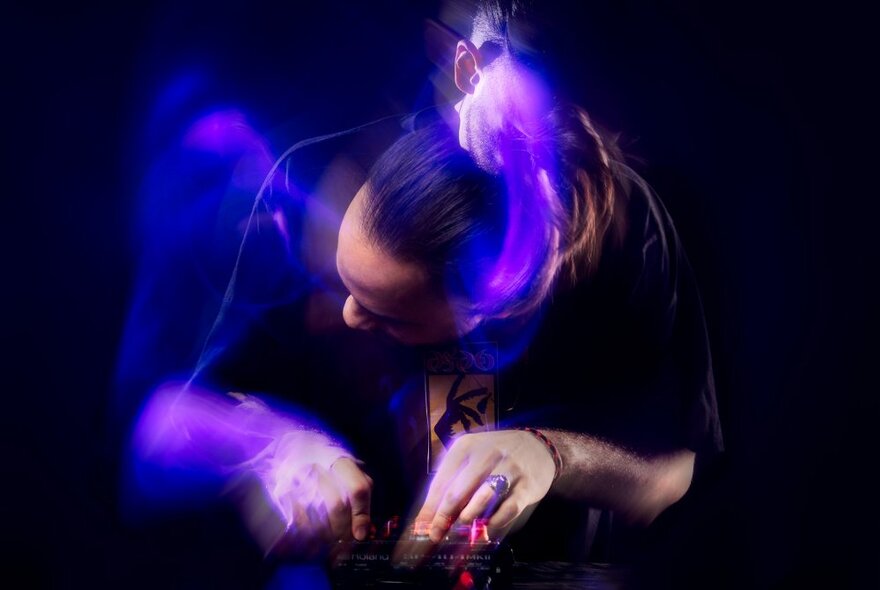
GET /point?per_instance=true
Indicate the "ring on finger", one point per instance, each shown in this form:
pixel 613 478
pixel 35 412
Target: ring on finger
pixel 499 484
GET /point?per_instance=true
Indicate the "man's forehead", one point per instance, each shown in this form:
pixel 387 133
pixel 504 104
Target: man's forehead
pixel 375 276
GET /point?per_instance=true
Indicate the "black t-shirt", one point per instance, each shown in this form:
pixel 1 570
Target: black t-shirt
pixel 623 356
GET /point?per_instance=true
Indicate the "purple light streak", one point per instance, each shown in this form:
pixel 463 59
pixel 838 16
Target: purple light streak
pixel 239 437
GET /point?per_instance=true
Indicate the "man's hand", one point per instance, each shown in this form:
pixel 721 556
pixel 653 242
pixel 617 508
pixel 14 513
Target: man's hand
pixel 459 491
pixel 308 509
pixel 297 488
pixel 358 487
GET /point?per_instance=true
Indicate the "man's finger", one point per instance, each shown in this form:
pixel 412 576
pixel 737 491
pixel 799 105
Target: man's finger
pixel 507 512
pixel 358 487
pixel 335 504
pixel 482 504
pixel 451 463
pixel 458 494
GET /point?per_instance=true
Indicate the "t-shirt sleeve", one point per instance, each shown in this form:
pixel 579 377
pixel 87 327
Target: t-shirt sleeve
pixel 625 356
pixel 667 299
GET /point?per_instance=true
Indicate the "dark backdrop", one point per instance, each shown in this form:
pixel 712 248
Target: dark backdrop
pixel 752 122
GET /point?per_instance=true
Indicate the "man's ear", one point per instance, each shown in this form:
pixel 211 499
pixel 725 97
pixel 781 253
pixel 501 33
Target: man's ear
pixel 468 64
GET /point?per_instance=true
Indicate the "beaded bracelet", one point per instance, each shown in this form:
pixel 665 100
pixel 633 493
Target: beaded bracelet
pixel 554 452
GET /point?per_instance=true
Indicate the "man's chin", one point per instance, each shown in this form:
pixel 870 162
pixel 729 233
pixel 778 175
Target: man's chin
pixel 425 343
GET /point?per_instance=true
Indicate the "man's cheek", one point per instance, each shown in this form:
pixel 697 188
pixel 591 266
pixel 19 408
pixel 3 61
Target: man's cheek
pixel 463 126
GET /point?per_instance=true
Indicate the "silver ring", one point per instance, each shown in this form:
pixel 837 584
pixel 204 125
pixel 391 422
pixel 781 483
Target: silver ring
pixel 498 484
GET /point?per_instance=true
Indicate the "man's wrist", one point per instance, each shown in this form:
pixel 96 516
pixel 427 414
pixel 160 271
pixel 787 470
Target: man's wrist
pixel 551 448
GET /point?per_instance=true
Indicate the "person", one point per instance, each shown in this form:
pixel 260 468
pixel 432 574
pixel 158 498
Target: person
pixel 551 246
pixel 616 399
pixel 602 236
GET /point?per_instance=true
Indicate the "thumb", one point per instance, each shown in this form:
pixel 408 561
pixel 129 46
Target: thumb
pixel 358 487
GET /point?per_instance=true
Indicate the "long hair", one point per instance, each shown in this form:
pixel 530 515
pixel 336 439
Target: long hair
pixel 587 189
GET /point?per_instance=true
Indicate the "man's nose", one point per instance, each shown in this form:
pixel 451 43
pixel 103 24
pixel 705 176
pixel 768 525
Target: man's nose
pixel 356 316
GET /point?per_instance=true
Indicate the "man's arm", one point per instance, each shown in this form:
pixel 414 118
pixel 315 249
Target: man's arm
pixel 298 487
pixel 600 474
pixel 637 487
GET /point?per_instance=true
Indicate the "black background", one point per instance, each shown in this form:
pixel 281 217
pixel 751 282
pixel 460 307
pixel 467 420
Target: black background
pixel 753 123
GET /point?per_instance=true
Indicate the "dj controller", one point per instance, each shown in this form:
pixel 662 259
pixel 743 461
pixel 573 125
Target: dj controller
pixel 466 559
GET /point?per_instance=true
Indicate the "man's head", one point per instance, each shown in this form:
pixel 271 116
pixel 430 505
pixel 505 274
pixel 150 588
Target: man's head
pixel 390 295
pixel 505 97
pixel 517 120
pixel 473 246
pixel 417 238
pixel 432 246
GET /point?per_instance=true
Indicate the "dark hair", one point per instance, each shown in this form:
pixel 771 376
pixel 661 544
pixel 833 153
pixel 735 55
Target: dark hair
pixel 526 29
pixel 427 202
pixel 587 188
pixel 504 22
